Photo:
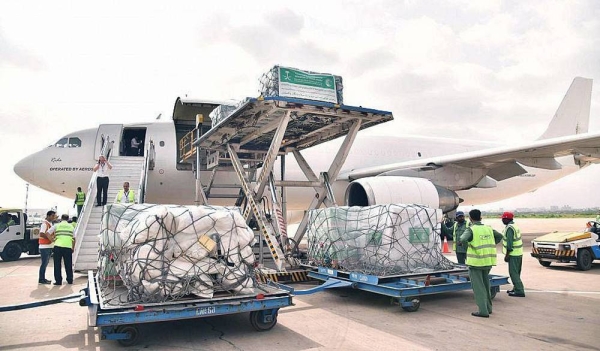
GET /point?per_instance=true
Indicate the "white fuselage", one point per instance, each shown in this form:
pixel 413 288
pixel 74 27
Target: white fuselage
pixel 61 170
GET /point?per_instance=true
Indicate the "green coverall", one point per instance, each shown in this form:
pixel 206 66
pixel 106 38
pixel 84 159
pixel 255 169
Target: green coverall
pixel 480 276
pixel 514 263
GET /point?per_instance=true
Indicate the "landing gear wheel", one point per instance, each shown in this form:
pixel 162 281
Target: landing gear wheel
pixel 584 259
pixel 12 252
pixel 545 263
pixel 413 307
pixel 133 333
pixel 261 321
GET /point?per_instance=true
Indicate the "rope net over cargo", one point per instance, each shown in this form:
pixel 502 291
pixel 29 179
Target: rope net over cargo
pixel 156 253
pixel 378 240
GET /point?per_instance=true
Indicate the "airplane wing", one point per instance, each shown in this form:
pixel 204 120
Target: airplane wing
pixel 465 170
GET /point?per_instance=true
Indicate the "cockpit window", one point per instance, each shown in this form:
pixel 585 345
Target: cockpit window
pixel 61 143
pixel 74 142
pixel 68 142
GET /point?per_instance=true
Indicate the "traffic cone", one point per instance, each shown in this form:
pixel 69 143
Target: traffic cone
pixel 445 247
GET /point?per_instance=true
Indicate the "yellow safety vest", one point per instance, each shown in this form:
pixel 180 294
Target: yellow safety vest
pixel 80 198
pixel 482 249
pixel 64 235
pixel 130 196
pixel 517 241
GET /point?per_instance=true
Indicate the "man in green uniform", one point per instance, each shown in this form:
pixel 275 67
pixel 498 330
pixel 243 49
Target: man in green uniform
pixel 64 243
pixel 512 248
pixel 79 200
pixel 457 230
pixel 480 241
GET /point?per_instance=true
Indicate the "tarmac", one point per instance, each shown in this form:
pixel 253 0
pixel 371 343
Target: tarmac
pixel 561 312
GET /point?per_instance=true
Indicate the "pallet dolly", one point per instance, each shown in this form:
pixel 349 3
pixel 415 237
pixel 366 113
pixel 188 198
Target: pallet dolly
pixel 407 289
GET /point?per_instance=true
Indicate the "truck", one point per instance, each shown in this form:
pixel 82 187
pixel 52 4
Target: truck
pixel 16 236
pixel 579 247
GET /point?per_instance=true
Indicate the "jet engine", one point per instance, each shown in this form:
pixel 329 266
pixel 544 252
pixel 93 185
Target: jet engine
pixel 400 190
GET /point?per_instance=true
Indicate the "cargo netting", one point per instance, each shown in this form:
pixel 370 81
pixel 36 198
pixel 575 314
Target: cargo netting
pixel 157 253
pixel 380 240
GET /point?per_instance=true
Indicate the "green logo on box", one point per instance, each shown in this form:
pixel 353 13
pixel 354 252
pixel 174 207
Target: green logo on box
pixel 292 76
pixel 418 235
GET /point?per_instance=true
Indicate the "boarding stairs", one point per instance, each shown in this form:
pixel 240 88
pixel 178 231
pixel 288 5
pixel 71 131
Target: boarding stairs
pixel 125 169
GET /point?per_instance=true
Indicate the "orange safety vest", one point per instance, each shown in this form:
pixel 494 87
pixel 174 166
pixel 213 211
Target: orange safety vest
pixel 44 241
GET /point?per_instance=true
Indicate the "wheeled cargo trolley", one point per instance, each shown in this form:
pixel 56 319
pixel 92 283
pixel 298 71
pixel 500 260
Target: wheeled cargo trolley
pixel 406 289
pixel 121 322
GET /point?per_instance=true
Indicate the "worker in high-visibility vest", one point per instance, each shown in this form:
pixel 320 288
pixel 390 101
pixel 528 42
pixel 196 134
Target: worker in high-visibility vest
pixel 512 248
pixel 598 217
pixel 46 245
pixel 64 244
pixel 125 196
pixel 481 243
pixel 460 224
pixel 79 200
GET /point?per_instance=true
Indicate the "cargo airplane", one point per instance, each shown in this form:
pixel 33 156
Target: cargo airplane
pixel 388 169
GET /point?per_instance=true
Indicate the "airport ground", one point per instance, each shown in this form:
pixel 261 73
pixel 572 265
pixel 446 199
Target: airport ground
pixel 561 312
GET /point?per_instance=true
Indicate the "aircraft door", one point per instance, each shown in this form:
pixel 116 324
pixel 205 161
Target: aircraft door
pixel 110 132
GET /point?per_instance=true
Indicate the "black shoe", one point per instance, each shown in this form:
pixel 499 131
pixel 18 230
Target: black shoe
pixel 44 282
pixel 509 291
pixel 70 283
pixel 98 205
pixel 57 283
pixel 514 294
pixel 476 314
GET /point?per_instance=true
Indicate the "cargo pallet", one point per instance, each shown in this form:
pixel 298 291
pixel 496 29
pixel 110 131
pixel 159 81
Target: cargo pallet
pixel 406 289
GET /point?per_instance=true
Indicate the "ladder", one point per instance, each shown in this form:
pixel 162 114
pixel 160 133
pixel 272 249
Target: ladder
pixel 253 208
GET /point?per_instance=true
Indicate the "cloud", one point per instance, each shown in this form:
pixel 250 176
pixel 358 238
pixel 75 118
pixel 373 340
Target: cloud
pixel 285 21
pixel 379 58
pixel 17 56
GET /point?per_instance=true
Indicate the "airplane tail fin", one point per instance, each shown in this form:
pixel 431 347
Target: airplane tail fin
pixel 573 114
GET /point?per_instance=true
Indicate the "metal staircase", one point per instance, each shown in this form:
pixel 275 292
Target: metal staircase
pixel 125 169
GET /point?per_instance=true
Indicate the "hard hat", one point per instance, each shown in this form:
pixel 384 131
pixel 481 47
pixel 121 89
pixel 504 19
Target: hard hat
pixel 508 215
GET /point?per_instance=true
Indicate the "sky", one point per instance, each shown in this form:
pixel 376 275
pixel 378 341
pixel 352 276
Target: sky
pixel 482 70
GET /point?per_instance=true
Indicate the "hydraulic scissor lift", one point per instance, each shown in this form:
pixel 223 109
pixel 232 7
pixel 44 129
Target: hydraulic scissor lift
pixel 261 129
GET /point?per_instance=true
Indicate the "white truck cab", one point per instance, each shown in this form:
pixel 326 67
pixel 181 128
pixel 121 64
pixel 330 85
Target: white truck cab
pixel 16 236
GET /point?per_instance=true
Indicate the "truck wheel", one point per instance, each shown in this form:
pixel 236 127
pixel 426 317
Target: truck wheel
pixel 584 259
pixel 12 252
pixel 545 263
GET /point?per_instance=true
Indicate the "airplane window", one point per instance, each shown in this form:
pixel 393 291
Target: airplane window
pixel 61 143
pixel 162 143
pixel 74 142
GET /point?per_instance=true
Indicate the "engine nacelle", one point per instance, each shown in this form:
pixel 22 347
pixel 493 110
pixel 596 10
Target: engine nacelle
pixel 400 190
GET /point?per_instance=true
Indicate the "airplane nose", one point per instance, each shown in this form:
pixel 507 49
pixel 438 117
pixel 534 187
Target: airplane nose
pixel 25 169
